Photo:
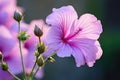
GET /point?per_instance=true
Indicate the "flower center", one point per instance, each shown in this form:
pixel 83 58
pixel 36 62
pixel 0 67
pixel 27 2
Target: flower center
pixel 71 36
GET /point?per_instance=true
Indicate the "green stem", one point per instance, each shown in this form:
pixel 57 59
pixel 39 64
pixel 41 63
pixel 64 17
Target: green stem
pixel 13 75
pixel 33 68
pixel 39 40
pixel 31 74
pixel 44 63
pixel 20 44
pixel 37 71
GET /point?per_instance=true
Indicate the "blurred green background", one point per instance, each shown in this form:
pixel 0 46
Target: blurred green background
pixel 108 67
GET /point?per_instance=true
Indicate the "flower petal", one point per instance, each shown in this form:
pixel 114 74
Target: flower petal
pixel 7 42
pixel 14 59
pixel 4 75
pixel 88 49
pixel 99 52
pixel 79 57
pixel 65 50
pixel 54 35
pixel 62 18
pixel 90 27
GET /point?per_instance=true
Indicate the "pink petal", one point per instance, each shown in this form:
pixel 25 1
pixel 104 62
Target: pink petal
pixel 63 18
pixel 14 60
pixel 79 57
pixel 90 27
pixel 4 75
pixel 48 52
pixel 65 50
pixel 54 35
pixel 7 42
pixel 40 73
pixel 99 52
pixel 88 49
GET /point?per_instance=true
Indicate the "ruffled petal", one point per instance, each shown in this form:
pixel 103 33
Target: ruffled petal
pixel 100 51
pixel 62 18
pixel 79 57
pixel 88 49
pixel 89 27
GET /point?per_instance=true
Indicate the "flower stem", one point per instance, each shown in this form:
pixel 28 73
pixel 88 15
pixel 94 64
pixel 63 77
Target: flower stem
pixel 13 75
pixel 31 74
pixel 33 69
pixel 21 52
pixel 37 71
pixel 39 40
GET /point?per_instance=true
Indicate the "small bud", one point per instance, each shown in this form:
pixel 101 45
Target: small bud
pixel 4 66
pixel 41 48
pixel 51 59
pixel 40 61
pixel 37 54
pixel 37 31
pixel 1 56
pixel 18 16
pixel 23 36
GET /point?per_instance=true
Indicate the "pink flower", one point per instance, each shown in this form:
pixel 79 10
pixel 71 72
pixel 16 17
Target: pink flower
pixel 72 36
pixel 7 8
pixel 10 50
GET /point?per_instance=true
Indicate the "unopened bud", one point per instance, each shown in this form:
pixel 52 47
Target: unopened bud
pixel 40 61
pixel 37 54
pixel 4 66
pixel 18 15
pixel 1 56
pixel 51 59
pixel 23 36
pixel 37 31
pixel 41 48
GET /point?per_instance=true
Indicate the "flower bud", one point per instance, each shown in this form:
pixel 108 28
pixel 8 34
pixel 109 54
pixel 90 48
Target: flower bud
pixel 23 36
pixel 40 61
pixel 41 48
pixel 18 16
pixel 1 56
pixel 51 59
pixel 4 66
pixel 37 54
pixel 37 31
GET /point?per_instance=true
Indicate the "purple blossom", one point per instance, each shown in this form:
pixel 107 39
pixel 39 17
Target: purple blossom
pixel 70 35
pixel 7 8
pixel 10 50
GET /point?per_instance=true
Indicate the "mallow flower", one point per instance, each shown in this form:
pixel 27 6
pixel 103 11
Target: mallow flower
pixel 73 36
